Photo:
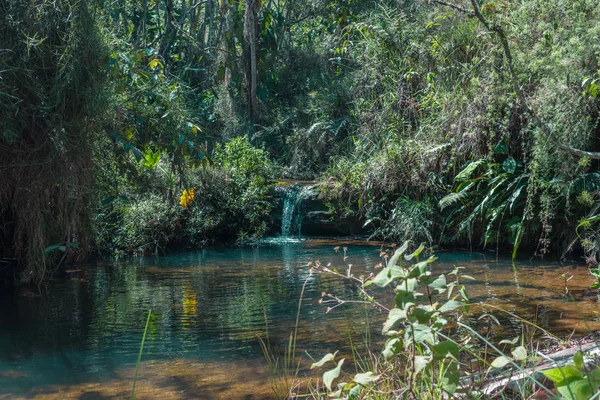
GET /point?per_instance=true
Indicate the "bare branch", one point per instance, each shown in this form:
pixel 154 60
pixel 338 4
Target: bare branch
pixel 454 6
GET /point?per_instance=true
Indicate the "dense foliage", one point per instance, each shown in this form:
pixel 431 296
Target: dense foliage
pixel 447 122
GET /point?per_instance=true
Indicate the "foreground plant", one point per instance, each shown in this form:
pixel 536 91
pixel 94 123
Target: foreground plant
pixel 572 382
pixel 431 352
pixel 424 307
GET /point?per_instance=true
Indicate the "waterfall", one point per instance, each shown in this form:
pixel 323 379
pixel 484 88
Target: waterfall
pixel 291 218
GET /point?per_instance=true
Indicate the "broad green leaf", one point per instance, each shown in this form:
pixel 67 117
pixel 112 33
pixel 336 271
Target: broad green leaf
pixel 322 361
pixel 445 349
pixel 60 247
pixel 387 276
pixel 500 362
pixel 423 313
pixel 421 363
pixel 397 254
pixel 394 316
pixel 151 158
pixel 501 148
pixel 519 353
pixel 330 375
pixel 450 305
pixel 439 284
pixel 581 389
pixel 578 389
pixel 366 378
pixel 509 165
pixel 354 392
pixel 422 334
pixel 392 347
pixel 382 279
pixel 420 268
pixel 404 299
pixel 439 323
pixel 562 375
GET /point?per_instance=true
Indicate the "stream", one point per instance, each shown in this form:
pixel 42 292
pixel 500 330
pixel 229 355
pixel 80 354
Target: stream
pixel 80 338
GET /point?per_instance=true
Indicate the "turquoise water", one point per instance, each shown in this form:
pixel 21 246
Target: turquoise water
pixel 210 306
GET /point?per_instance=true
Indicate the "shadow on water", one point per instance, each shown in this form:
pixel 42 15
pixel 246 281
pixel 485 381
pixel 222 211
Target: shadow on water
pixel 82 335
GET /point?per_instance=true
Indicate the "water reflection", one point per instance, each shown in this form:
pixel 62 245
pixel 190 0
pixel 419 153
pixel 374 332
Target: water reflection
pixel 210 306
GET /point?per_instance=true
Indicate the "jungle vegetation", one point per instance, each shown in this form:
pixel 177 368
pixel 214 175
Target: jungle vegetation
pixel 134 126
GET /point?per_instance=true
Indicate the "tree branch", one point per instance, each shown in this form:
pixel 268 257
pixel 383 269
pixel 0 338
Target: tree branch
pixel 454 6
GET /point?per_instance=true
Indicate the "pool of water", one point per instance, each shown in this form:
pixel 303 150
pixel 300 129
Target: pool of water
pixel 80 337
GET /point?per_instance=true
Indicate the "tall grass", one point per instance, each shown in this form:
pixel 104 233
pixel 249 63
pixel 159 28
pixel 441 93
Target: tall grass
pixel 139 360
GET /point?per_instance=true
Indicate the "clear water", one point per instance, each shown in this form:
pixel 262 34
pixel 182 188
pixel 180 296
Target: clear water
pixel 209 307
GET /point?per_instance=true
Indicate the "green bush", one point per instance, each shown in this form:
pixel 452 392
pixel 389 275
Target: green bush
pixel 147 225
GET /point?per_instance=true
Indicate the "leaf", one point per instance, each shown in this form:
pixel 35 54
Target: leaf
pixel 415 254
pixel 397 254
pixel 515 196
pixel 382 279
pixel 446 349
pixel 501 148
pixel 468 170
pixel 322 361
pixel 421 363
pixel 330 375
pixel 405 299
pixel 512 341
pixel 392 347
pixel 450 305
pixel 439 284
pixel 578 389
pixel 366 378
pixel 578 360
pixel 451 378
pixel 509 165
pixel 500 362
pixel 151 158
pixel 582 389
pixel 518 238
pixel 61 247
pixel 422 334
pixel 394 316
pixel 519 353
pixel 354 392
pixel 423 313
pixel 129 133
pixel 387 276
pixel 562 375
pixel 408 285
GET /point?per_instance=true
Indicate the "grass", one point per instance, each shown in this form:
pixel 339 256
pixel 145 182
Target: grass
pixel 139 360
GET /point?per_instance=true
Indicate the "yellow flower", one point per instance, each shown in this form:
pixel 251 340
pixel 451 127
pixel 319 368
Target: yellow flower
pixel 187 197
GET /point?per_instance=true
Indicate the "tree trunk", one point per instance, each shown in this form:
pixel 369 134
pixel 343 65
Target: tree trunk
pixel 250 49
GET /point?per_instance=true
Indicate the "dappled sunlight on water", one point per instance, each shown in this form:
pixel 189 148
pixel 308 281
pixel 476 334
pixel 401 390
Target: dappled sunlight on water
pixel 81 337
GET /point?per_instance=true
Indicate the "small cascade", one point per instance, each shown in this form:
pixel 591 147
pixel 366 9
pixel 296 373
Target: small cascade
pixel 291 218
